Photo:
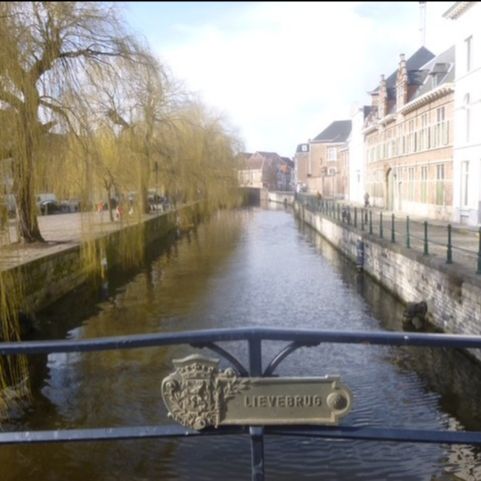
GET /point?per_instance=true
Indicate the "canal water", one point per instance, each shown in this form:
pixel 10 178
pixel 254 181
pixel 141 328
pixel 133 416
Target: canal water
pixel 251 267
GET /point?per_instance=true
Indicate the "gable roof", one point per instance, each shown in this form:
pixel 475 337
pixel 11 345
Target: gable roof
pixel 268 155
pixel 337 131
pixel 413 64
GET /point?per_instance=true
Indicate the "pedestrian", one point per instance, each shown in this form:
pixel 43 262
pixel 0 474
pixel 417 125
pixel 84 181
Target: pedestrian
pixel 118 212
pixel 366 200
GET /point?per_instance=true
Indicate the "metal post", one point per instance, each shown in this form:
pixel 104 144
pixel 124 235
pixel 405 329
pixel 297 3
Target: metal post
pixel 256 432
pixel 362 219
pixel 338 212
pixel 408 240
pixel 370 222
pixel 349 214
pixel 479 253
pixel 449 258
pixel 393 232
pixel 380 225
pixel 426 250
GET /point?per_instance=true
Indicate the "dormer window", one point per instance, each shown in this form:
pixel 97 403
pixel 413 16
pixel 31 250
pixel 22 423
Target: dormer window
pixel 438 72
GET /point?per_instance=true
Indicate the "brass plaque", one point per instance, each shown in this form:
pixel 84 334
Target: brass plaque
pixel 198 395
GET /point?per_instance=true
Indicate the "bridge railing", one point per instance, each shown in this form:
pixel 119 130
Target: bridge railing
pixel 253 339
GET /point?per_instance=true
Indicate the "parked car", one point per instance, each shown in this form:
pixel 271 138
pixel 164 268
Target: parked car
pixel 70 205
pixel 49 207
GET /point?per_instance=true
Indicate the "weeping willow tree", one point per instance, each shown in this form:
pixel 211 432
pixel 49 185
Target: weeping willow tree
pixel 208 153
pixel 86 112
pixel 48 48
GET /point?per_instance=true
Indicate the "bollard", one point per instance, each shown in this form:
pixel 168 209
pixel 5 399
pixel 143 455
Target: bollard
pixel 449 258
pixel 426 250
pixel 370 222
pixel 355 217
pixel 362 219
pixel 408 240
pixel 479 253
pixel 338 212
pixel 349 215
pixel 393 232
pixel 380 226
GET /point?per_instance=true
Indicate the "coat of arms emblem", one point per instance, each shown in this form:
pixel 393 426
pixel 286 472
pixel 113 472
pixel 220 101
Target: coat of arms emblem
pixel 196 392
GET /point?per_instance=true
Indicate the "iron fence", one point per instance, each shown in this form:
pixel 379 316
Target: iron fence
pixel 430 239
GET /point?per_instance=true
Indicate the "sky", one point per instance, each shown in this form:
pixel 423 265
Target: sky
pixel 281 72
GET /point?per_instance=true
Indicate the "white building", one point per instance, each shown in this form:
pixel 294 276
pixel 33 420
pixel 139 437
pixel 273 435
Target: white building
pixel 357 165
pixel 467 114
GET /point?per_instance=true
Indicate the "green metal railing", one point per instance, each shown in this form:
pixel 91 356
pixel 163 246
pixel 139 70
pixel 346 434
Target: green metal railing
pixel 430 239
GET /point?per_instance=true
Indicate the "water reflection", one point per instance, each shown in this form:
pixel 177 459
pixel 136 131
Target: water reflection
pixel 250 267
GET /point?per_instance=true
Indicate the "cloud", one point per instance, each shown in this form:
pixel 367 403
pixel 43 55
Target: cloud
pixel 282 71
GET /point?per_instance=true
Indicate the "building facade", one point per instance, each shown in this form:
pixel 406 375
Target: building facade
pixel 356 156
pixel 324 173
pixel 265 170
pixel 467 113
pixel 301 159
pixel 408 137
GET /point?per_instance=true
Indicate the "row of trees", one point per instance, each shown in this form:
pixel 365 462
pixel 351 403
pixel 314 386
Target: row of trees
pixel 86 111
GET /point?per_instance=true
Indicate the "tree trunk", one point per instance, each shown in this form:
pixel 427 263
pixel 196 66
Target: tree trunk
pixel 28 229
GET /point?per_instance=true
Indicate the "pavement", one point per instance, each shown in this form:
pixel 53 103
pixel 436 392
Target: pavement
pixel 61 232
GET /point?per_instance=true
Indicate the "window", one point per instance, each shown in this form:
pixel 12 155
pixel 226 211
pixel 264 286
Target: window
pixel 332 153
pixel 424 184
pixel 411 183
pixel 438 128
pixel 411 137
pixel 464 183
pixel 304 147
pixel 423 137
pixel 467 43
pixel 440 184
pixel 440 114
pixel 467 116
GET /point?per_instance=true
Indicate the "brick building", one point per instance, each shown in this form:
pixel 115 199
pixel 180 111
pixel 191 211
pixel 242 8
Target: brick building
pixel 408 137
pixel 301 159
pixel 265 170
pixel 324 164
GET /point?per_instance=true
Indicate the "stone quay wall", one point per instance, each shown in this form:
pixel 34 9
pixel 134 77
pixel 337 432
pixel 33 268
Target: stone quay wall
pixel 49 277
pixel 452 294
